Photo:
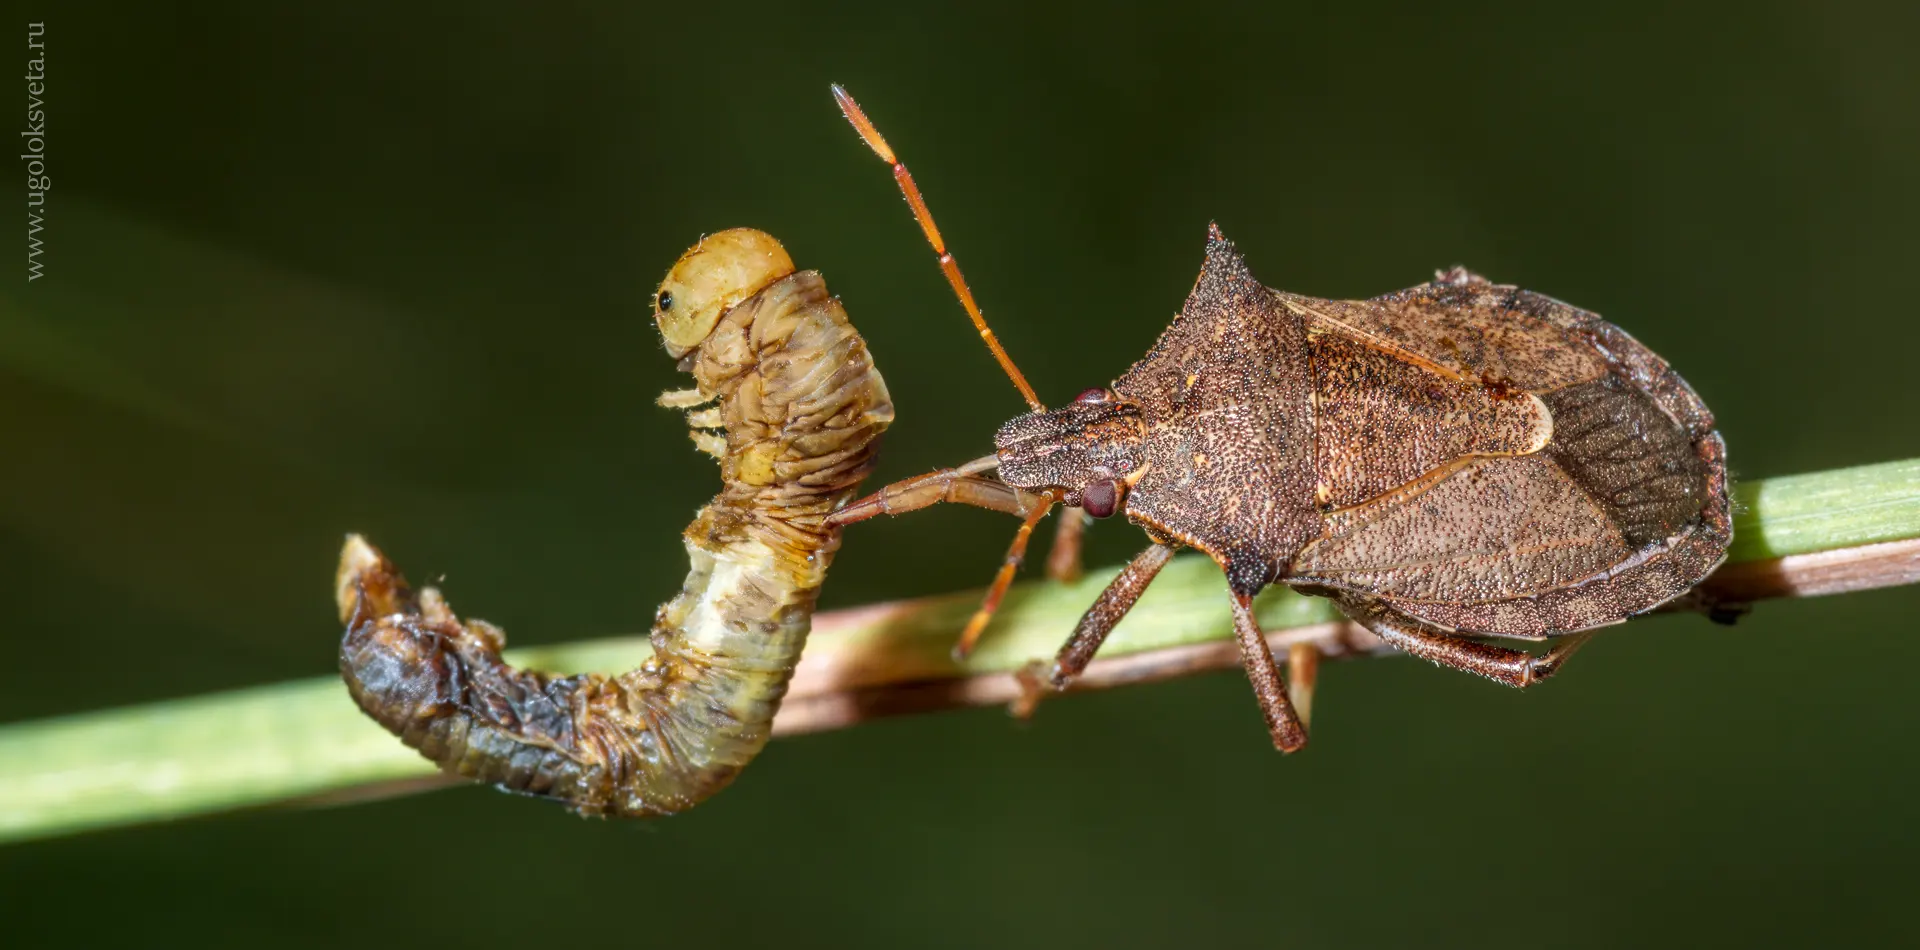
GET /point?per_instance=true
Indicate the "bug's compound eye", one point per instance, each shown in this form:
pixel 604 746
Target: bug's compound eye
pixel 1096 394
pixel 1102 498
pixel 711 279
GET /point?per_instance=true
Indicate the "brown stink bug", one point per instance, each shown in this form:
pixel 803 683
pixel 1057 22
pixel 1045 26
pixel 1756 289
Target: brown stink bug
pixel 1457 461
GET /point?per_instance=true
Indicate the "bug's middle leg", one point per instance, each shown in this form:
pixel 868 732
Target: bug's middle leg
pixel 1100 619
pixel 1516 668
pixel 1113 603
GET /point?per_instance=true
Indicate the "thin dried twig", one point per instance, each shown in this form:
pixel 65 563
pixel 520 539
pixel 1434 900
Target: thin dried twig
pixel 827 703
pixel 1799 536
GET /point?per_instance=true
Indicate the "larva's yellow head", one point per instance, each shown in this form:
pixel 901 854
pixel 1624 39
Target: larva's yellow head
pixel 710 279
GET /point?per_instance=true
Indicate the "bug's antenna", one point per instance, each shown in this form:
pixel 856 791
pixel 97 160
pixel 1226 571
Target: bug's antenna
pixel 951 268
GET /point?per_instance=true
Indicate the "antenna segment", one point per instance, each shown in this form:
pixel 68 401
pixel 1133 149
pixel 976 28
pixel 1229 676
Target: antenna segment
pixel 948 265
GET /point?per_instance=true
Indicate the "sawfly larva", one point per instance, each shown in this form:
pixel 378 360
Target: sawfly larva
pixel 787 398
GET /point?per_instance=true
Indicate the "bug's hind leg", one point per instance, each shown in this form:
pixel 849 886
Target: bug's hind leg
pixel 1516 668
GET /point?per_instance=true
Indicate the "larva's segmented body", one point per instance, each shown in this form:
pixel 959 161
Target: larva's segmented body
pixel 787 397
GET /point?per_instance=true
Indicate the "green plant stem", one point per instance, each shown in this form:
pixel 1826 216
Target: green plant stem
pixel 1795 536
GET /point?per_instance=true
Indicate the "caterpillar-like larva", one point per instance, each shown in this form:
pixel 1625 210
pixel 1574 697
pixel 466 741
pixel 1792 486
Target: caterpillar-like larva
pixel 788 399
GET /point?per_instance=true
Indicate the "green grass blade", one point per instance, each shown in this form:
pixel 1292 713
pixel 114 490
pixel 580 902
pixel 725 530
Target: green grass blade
pixel 292 740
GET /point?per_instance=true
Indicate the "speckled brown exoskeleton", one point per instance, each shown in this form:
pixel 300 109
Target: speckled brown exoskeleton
pixel 1450 463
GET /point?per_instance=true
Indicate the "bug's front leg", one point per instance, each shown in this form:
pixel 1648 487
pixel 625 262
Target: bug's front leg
pixel 1516 668
pixel 961 485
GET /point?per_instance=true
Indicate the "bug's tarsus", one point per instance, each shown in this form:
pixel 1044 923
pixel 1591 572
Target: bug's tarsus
pixel 1550 662
pixel 1714 607
pixel 1032 680
pixel 948 265
pixel 1727 615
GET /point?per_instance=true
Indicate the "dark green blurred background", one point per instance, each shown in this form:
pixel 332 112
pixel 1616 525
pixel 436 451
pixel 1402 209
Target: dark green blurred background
pixel 386 270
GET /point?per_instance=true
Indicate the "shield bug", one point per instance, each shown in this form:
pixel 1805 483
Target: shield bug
pixel 1451 463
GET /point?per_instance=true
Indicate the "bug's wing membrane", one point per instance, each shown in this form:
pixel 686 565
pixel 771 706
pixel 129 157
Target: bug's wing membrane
pixel 1636 463
pixel 1225 394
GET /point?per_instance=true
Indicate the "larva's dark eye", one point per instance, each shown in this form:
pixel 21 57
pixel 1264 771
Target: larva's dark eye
pixel 1096 394
pixel 1102 498
pixel 666 300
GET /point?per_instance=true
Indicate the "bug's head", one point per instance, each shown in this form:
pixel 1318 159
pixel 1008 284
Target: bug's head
pixel 1089 449
pixel 711 278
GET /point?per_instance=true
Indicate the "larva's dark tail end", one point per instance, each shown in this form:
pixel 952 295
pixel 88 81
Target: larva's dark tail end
pixel 442 688
pixel 366 574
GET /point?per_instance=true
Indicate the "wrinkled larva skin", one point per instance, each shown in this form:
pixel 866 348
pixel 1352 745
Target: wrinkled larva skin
pixel 787 397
